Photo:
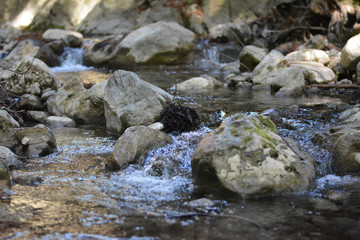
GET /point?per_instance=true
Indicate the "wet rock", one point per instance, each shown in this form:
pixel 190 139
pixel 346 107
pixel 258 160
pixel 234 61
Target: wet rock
pixel 312 55
pixel 28 180
pixel 55 121
pixel 231 67
pixel 231 32
pixel 72 38
pixel 337 195
pixel 133 146
pixel 199 84
pixel 239 80
pixel 29 101
pixel 57 46
pixel 323 205
pixel 7 121
pixel 350 53
pixel 29 141
pixel 246 156
pixel 250 56
pixel 110 18
pixel 32 76
pixel 9 159
pixel 78 103
pixel 130 101
pixel 200 203
pixel 33 48
pixel 38 116
pixel 346 153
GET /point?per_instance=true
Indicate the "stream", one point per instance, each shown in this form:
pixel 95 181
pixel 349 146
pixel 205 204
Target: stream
pixel 70 194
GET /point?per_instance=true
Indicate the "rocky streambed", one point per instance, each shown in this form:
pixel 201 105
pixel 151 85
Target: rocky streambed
pixel 70 194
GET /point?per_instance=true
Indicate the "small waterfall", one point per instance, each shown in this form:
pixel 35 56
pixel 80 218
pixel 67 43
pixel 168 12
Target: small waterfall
pixel 211 54
pixel 71 61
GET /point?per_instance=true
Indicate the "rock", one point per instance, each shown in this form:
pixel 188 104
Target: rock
pixel 57 46
pixel 232 67
pixel 159 11
pixel 267 65
pixel 156 126
pixel 78 103
pixel 200 203
pixel 9 159
pixel 29 141
pixel 250 56
pixel 33 48
pixel 29 101
pixel 231 32
pixel 315 72
pixel 110 18
pixel 133 146
pixel 316 42
pixel 7 121
pixel 199 84
pixel 8 33
pixel 38 116
pixel 346 153
pixel 72 38
pixel 312 55
pixel 130 101
pixel 344 81
pixel 37 78
pixel 157 43
pixel 350 53
pixel 358 72
pixel 239 80
pixel 55 121
pixel 246 156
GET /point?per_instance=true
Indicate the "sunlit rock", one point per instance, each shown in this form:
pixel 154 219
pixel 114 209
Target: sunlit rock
pixel 33 48
pixel 250 56
pixel 32 76
pixel 268 64
pixel 72 38
pixel 312 55
pixel 350 53
pixel 133 146
pixel 29 141
pixel 130 101
pixel 199 84
pixel 7 121
pixel 78 103
pixel 246 156
pixel 55 121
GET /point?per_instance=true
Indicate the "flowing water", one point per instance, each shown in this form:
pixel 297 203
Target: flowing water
pixel 70 194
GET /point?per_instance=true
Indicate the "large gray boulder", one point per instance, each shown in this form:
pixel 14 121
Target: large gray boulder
pixel 157 43
pixel 8 32
pixel 133 146
pixel 239 32
pixel 350 54
pixel 130 101
pixel 31 76
pixel 78 103
pixel 246 156
pixel 312 55
pixel 29 141
pixel 33 48
pixel 109 18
